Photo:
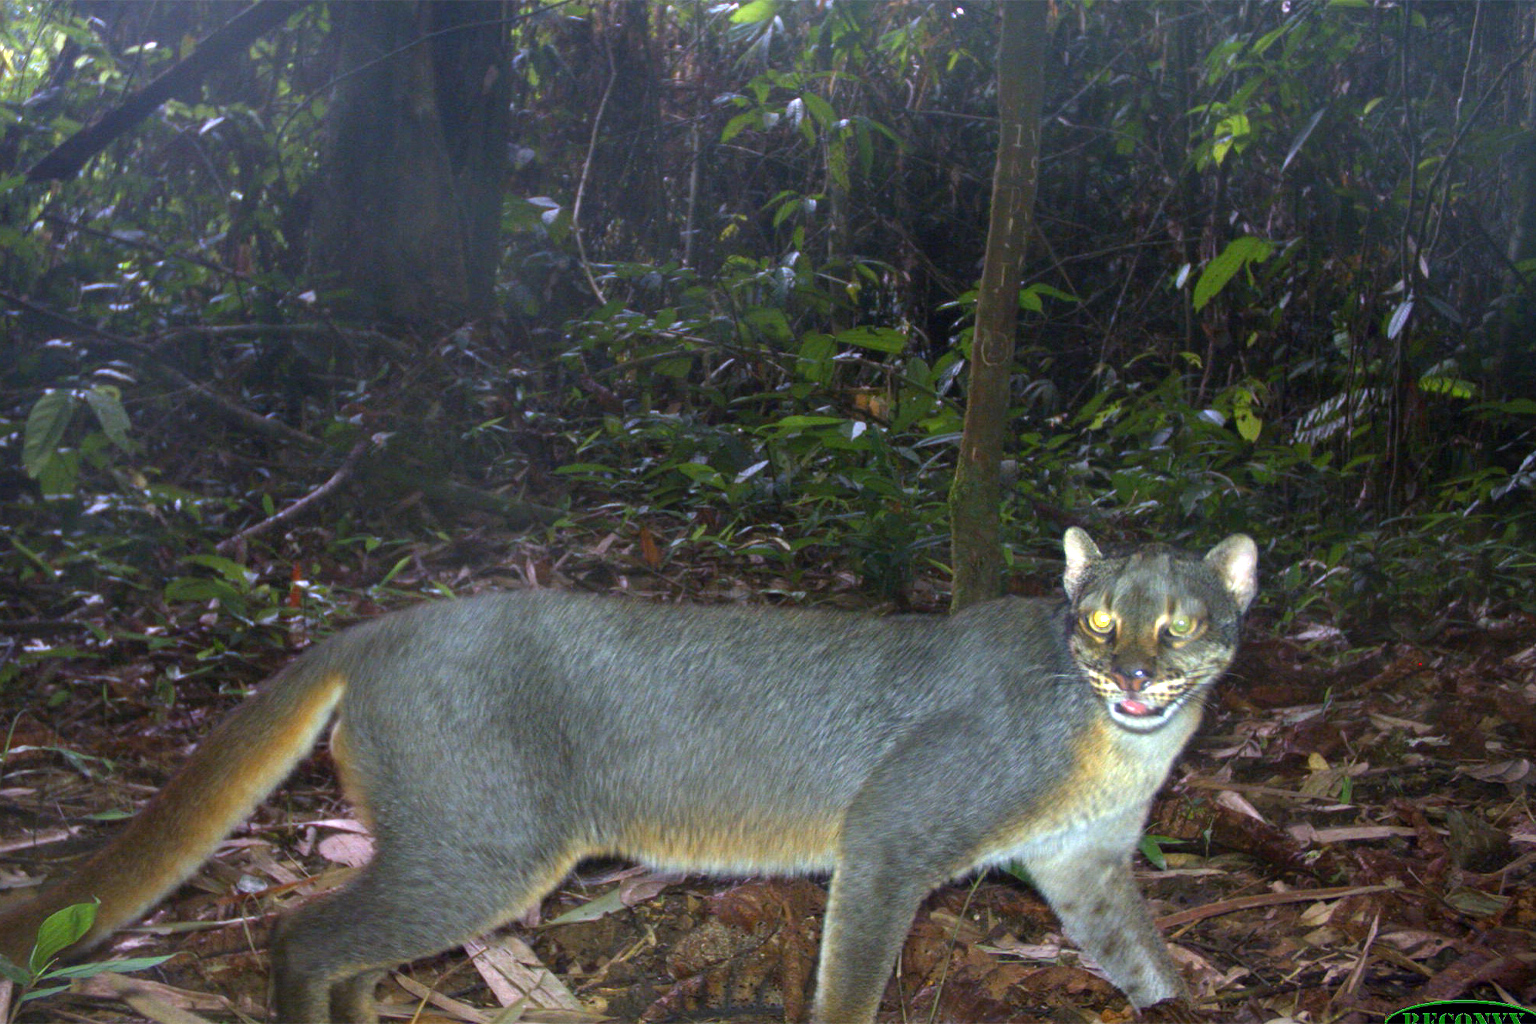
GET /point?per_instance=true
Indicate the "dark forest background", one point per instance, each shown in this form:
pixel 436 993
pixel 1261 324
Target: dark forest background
pixel 309 310
pixel 711 268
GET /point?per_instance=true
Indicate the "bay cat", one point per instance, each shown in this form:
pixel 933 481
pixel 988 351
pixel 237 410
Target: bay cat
pixel 493 742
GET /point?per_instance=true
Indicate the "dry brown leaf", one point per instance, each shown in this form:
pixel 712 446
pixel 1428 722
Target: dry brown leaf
pixel 1512 771
pixel 513 971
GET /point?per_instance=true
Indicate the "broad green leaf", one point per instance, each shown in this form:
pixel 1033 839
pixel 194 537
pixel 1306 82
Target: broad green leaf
pixel 878 339
pixel 677 369
pixel 226 567
pixel 820 109
pixel 1513 407
pixel 58 476
pixel 46 424
pixel 1152 849
pixel 1451 387
pixel 754 12
pixel 59 931
pixel 815 359
pixel 1239 253
pixel 770 322
pixel 791 423
pixel 1248 425
pixel 106 402
pixel 1229 132
pixel 701 474
pixel 196 589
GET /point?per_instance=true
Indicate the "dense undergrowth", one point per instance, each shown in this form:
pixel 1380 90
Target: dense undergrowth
pixel 1265 297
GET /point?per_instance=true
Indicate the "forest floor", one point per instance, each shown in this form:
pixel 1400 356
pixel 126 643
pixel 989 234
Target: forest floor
pixel 1350 833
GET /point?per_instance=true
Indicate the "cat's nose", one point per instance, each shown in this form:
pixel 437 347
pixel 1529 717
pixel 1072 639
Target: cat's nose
pixel 1132 680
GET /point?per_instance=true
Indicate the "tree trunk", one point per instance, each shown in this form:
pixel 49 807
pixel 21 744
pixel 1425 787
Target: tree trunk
pixel 1513 358
pixel 407 224
pixel 474 98
pixel 974 498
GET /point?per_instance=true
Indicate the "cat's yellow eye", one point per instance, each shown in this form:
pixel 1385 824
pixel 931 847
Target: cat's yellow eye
pixel 1181 627
pixel 1100 621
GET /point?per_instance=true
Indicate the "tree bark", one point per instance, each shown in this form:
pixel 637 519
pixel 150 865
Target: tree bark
pixel 472 64
pixel 976 493
pixel 408 222
pixel 1513 355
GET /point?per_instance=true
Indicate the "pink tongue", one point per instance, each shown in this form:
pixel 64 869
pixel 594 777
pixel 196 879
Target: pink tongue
pixel 1134 707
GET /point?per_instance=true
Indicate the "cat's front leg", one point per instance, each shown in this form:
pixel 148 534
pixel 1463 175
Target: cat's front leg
pixel 1095 897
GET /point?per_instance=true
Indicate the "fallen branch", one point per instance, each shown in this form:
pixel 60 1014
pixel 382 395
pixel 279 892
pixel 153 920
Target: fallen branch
pixel 1267 899
pixel 235 546
pixel 221 46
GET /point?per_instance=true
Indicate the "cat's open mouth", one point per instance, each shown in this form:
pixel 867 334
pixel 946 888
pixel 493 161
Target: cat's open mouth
pixel 1131 708
pixel 1138 715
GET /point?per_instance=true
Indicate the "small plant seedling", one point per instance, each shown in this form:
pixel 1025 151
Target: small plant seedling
pixel 58 932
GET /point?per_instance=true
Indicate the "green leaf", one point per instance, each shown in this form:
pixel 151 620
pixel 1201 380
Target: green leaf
pixel 34 557
pixel 1151 848
pixel 677 369
pixel 1450 387
pixel 755 12
pixel 701 474
pixel 1029 298
pixel 790 424
pixel 195 589
pixel 1513 407
pixel 770 322
pixel 46 424
pixel 1239 253
pixel 820 109
pixel 107 403
pixel 226 567
pixel 878 339
pixel 1248 425
pixel 1230 131
pixel 59 931
pixel 43 993
pixel 58 476
pixel 394 570
pixel 138 963
pixel 815 359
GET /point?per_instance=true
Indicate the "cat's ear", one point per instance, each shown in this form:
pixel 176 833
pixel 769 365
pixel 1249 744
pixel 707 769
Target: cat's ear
pixel 1236 561
pixel 1081 552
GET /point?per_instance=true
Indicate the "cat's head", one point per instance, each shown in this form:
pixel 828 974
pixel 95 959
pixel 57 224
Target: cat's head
pixel 1153 628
